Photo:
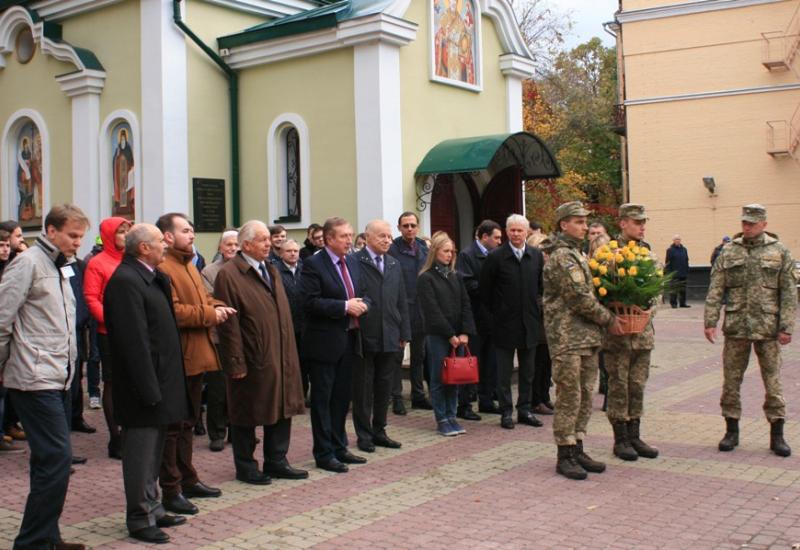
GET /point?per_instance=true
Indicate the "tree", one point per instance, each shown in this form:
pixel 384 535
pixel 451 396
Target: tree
pixel 543 28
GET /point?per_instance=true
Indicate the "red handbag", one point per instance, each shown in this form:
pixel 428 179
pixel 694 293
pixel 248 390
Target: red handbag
pixel 460 370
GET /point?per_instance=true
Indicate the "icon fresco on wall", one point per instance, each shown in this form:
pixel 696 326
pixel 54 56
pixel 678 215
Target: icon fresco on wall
pixel 29 176
pixel 455 42
pixel 122 167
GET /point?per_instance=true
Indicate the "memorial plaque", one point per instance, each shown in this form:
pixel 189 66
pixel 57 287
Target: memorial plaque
pixel 209 205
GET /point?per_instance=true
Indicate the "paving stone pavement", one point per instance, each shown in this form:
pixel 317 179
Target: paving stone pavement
pixel 491 488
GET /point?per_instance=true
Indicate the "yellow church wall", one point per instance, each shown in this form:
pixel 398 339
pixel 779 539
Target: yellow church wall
pixel 432 111
pixel 673 145
pixel 113 34
pixel 319 89
pixel 208 101
pixel 33 86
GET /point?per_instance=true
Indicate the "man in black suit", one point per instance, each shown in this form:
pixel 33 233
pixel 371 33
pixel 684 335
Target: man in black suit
pixel 290 266
pixel 511 290
pixel 331 286
pixel 148 382
pixel 488 236
pixel 384 332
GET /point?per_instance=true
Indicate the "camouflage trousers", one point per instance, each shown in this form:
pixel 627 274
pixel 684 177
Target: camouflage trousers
pixel 735 357
pixel 574 373
pixel 627 375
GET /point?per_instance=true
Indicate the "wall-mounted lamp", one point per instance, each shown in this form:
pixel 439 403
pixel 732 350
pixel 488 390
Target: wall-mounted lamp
pixel 711 185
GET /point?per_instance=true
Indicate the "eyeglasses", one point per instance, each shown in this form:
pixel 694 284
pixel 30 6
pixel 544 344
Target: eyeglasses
pixel 408 225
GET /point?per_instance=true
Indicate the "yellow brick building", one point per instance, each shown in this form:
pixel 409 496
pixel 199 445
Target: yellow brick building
pixel 711 89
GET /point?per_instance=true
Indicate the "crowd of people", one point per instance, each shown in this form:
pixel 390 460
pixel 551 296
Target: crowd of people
pixel 269 328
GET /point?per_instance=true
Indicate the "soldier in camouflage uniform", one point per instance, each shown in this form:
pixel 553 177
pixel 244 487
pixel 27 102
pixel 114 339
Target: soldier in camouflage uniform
pixel 627 360
pixel 756 272
pixel 574 321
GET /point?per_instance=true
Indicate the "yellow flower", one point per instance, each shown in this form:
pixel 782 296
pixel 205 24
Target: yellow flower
pixel 644 251
pixel 596 281
pixel 630 256
pixel 619 258
pixel 647 259
pixel 602 270
pixel 621 272
pixel 636 250
pixel 631 244
pixel 613 245
pixel 593 264
pixel 604 249
pixel 602 291
pixel 632 271
pixel 660 272
pixel 624 250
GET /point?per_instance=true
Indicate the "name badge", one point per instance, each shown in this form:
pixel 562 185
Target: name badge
pixel 67 271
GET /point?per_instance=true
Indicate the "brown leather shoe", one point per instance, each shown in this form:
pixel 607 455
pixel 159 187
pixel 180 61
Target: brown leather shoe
pixel 69 546
pixel 542 409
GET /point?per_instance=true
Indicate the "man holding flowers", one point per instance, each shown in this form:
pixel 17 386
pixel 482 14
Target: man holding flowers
pixel 574 321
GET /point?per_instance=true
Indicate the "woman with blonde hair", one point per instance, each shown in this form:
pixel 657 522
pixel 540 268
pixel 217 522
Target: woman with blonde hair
pixel 447 323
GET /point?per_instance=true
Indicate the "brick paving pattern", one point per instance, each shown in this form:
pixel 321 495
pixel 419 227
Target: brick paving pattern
pixel 491 488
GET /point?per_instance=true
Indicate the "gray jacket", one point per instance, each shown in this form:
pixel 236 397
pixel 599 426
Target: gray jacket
pixel 37 322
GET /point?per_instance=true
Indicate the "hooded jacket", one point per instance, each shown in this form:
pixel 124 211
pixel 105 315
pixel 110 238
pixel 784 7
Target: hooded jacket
pixel 100 269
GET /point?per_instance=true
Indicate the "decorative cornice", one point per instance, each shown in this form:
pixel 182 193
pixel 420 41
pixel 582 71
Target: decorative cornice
pixel 374 28
pixel 515 65
pixel 55 10
pixel 687 8
pixel 718 93
pixel 82 83
pixel 267 8
pixel 502 14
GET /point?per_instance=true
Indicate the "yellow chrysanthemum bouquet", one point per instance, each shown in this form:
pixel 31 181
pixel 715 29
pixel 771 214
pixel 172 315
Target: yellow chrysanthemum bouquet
pixel 628 280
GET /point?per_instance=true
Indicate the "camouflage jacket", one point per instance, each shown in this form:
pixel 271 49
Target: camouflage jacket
pixel 758 277
pixel 573 317
pixel 641 341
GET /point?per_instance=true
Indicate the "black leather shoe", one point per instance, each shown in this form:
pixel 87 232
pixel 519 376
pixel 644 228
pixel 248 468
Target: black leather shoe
pixel 79 459
pixel 333 465
pixel 254 478
pixel 529 419
pixel 168 520
pixel 423 404
pixel 467 414
pixel 366 447
pixel 201 490
pixel 398 407
pixel 285 471
pixel 83 427
pixel 383 440
pixel 490 409
pixel 217 445
pixel 507 422
pixel 153 535
pixel 349 458
pixel 179 505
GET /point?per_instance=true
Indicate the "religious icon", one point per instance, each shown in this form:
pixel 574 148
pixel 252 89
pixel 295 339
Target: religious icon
pixel 455 41
pixel 29 176
pixel 122 167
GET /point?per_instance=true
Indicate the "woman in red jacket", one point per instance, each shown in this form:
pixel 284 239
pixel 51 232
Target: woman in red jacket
pixel 98 272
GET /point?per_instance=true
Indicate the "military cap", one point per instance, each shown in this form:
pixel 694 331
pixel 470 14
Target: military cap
pixel 574 208
pixel 632 211
pixel 754 213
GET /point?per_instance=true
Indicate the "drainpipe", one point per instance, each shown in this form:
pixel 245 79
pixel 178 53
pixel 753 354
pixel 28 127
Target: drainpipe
pixel 233 99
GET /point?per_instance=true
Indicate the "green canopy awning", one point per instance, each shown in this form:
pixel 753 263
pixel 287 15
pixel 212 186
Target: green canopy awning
pixel 492 154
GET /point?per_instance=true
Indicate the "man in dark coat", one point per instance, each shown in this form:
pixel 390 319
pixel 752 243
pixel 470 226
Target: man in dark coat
pixel 511 290
pixel 148 383
pixel 488 236
pixel 384 332
pixel 331 285
pixel 290 267
pixel 411 252
pixel 259 355
pixel 678 263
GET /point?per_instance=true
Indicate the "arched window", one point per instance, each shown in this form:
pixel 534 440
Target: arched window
pixel 288 171
pixel 25 172
pixel 292 174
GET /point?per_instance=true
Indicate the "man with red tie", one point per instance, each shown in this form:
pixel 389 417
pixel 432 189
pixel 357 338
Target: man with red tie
pixel 333 291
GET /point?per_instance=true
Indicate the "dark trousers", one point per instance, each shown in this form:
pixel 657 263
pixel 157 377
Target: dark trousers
pixel 331 391
pixel 679 292
pixel 276 445
pixel 372 386
pixel 217 405
pixel 2 410
pixel 505 368
pixel 45 415
pixel 305 377
pixel 76 392
pixel 542 373
pixel 482 348
pixel 142 451
pixel 93 362
pixel 417 373
pixel 177 470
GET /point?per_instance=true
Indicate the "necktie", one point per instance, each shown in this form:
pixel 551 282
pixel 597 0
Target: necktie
pixel 379 263
pixel 348 286
pixel 518 254
pixel 263 269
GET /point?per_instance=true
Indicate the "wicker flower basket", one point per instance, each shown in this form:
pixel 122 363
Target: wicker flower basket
pixel 632 318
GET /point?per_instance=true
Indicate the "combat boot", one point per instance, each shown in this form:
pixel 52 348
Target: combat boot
pixel 641 448
pixel 776 442
pixel 731 438
pixel 566 465
pixel 622 447
pixel 587 462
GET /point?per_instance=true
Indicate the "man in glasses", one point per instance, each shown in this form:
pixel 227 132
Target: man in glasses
pixel 411 252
